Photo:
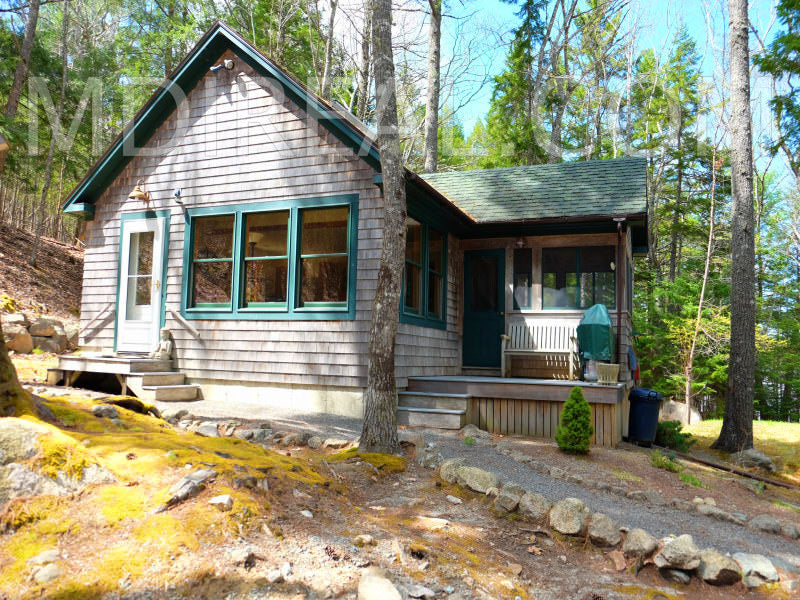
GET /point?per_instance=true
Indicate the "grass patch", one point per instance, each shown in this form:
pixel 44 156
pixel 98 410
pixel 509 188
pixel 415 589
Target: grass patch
pixel 667 463
pixel 386 463
pixel 625 476
pixel 787 505
pixel 777 439
pixel 690 479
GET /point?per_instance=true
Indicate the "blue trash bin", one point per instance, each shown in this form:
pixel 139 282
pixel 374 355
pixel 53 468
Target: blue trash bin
pixel 643 421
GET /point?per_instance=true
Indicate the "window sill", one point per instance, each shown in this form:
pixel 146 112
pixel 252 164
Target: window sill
pixel 409 319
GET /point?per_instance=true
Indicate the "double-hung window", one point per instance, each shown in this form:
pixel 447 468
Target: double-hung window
pixel 274 260
pixel 425 278
pixel 578 277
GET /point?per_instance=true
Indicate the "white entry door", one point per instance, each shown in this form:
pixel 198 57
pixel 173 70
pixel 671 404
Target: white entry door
pixel 140 285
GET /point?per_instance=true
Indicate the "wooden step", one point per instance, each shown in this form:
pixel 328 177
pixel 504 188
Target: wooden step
pixel 113 364
pixel 438 418
pixel 434 400
pixel 156 378
pixel 437 386
pixel 169 393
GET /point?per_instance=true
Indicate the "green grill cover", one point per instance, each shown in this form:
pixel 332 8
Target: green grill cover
pixel 596 334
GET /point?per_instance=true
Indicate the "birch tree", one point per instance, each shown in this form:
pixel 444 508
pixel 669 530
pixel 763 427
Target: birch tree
pixel 434 79
pixel 379 433
pixel 737 423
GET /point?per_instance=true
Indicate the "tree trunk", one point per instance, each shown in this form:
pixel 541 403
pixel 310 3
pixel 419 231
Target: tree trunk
pixel 432 103
pixel 363 72
pixel 380 398
pixel 325 88
pixel 21 72
pixel 737 423
pixel 676 215
pixel 14 401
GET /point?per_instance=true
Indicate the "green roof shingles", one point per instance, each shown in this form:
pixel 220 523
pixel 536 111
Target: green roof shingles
pixel 564 190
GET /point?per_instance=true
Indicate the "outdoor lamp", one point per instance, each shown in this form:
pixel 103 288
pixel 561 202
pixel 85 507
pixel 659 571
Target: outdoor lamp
pixel 138 193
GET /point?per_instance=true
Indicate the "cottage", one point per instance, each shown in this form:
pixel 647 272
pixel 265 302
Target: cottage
pixel 243 214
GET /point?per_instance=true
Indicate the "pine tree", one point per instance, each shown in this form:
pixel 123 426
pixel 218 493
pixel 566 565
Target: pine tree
pixel 575 432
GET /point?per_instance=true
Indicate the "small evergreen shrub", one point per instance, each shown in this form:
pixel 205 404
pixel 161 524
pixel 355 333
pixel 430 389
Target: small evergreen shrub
pixel 670 434
pixel 575 431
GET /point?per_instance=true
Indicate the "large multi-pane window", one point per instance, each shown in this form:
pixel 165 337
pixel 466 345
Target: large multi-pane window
pixel 272 260
pixel 424 283
pixel 578 277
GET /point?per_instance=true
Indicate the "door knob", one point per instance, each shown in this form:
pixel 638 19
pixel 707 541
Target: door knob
pixel 502 314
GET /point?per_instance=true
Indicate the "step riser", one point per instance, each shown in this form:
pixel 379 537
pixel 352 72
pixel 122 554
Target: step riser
pixel 166 394
pixel 441 387
pixel 436 421
pixel 162 379
pixel 433 402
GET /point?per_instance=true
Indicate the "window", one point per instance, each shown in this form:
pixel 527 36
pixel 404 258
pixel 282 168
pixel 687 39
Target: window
pixel 578 277
pixel 424 283
pixel 274 260
pixel 523 260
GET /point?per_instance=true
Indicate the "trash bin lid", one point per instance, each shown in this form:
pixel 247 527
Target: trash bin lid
pixel 596 334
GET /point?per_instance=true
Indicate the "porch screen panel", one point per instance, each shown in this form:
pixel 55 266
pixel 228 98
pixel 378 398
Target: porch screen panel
pixel 412 296
pixel 324 255
pixel 523 264
pixel 560 278
pixel 212 261
pixel 598 284
pixel 266 258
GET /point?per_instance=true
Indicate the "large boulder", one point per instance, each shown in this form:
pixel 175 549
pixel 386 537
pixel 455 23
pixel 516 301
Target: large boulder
pixel 603 531
pixel 766 523
pixel 72 332
pixel 756 569
pixel 17 318
pixel 45 327
pixel 639 544
pixel 478 480
pixel 374 585
pixel 753 458
pixel 54 345
pixel 718 569
pixel 17 338
pixel 508 498
pixel 568 516
pixel 680 553
pixel 534 507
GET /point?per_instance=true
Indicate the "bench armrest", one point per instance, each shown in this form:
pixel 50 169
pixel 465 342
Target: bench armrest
pixel 505 337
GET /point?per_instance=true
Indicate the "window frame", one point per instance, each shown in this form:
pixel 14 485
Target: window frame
pixel 292 309
pixel 578 255
pixel 425 318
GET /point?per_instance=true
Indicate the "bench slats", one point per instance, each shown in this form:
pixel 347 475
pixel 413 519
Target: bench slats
pixel 545 338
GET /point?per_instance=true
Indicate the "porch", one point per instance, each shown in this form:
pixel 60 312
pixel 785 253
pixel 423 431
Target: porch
pixel 511 406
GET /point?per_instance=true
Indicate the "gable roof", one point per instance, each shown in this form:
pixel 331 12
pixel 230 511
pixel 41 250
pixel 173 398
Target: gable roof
pixel 566 191
pixel 186 75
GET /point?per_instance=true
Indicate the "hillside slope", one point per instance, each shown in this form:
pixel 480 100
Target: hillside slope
pixel 53 287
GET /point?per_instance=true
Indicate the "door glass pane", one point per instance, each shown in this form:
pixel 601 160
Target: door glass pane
pixel 213 237
pixel 323 279
pixel 267 234
pixel 324 230
pixel 212 282
pixel 140 275
pixel 559 277
pixel 435 250
pixel 484 283
pixel 266 280
pixel 412 295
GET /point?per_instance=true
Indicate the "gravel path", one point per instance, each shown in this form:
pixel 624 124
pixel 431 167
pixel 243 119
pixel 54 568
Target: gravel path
pixel 658 520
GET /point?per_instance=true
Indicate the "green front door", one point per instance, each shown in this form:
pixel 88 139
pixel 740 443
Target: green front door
pixel 484 319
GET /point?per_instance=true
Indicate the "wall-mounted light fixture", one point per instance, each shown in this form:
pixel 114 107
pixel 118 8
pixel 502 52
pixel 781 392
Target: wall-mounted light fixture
pixel 227 63
pixel 138 193
pixel 521 242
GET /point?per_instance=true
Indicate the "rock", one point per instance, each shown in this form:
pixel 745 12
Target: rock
pixel 46 573
pixel 534 507
pixel 46 557
pixel 307 514
pixel 286 570
pixel 223 502
pixel 453 499
pixel 716 512
pixel 293 439
pixel 639 544
pixel 105 411
pixel 188 486
pixel 603 531
pixel 447 470
pixel 717 569
pixel 45 327
pixel 72 333
pixel 364 540
pixel 676 576
pixel 473 432
pixel 790 530
pixel 430 457
pixel 335 443
pixel 245 556
pixel 420 591
pixel 753 458
pixel 766 523
pixel 16 318
pixel 247 482
pixel 208 429
pixel 173 415
pixel 680 553
pixel 315 442
pixel 508 498
pixel 275 576
pixel 568 516
pixel 478 480
pixel 756 569
pixel 19 439
pixel 374 585
pixel 791 587
pixel 48 344
pixel 413 438
pixel 17 339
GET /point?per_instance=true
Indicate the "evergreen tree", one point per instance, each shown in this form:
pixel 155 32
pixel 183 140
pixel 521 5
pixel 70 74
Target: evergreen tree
pixel 574 434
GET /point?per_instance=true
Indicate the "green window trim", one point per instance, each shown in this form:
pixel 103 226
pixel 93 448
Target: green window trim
pixel 425 317
pixel 291 309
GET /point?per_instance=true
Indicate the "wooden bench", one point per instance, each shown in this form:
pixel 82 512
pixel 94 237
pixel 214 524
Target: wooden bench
pixel 538 339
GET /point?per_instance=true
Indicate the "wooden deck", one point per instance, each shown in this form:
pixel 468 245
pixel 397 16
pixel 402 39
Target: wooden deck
pixel 514 406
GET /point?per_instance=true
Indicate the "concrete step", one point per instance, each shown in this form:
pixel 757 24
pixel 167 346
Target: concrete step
pixel 169 393
pixel 155 379
pixel 434 400
pixel 438 418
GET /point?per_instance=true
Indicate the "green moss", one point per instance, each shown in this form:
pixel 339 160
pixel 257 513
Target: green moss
pixel 387 463
pixel 108 569
pixel 118 503
pixel 60 452
pixel 24 511
pixel 8 304
pixel 166 533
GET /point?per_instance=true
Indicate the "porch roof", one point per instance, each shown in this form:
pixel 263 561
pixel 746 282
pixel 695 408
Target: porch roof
pixel 570 190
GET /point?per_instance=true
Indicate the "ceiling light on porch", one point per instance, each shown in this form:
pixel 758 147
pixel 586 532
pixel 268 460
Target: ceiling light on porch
pixel 138 193
pixel 521 242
